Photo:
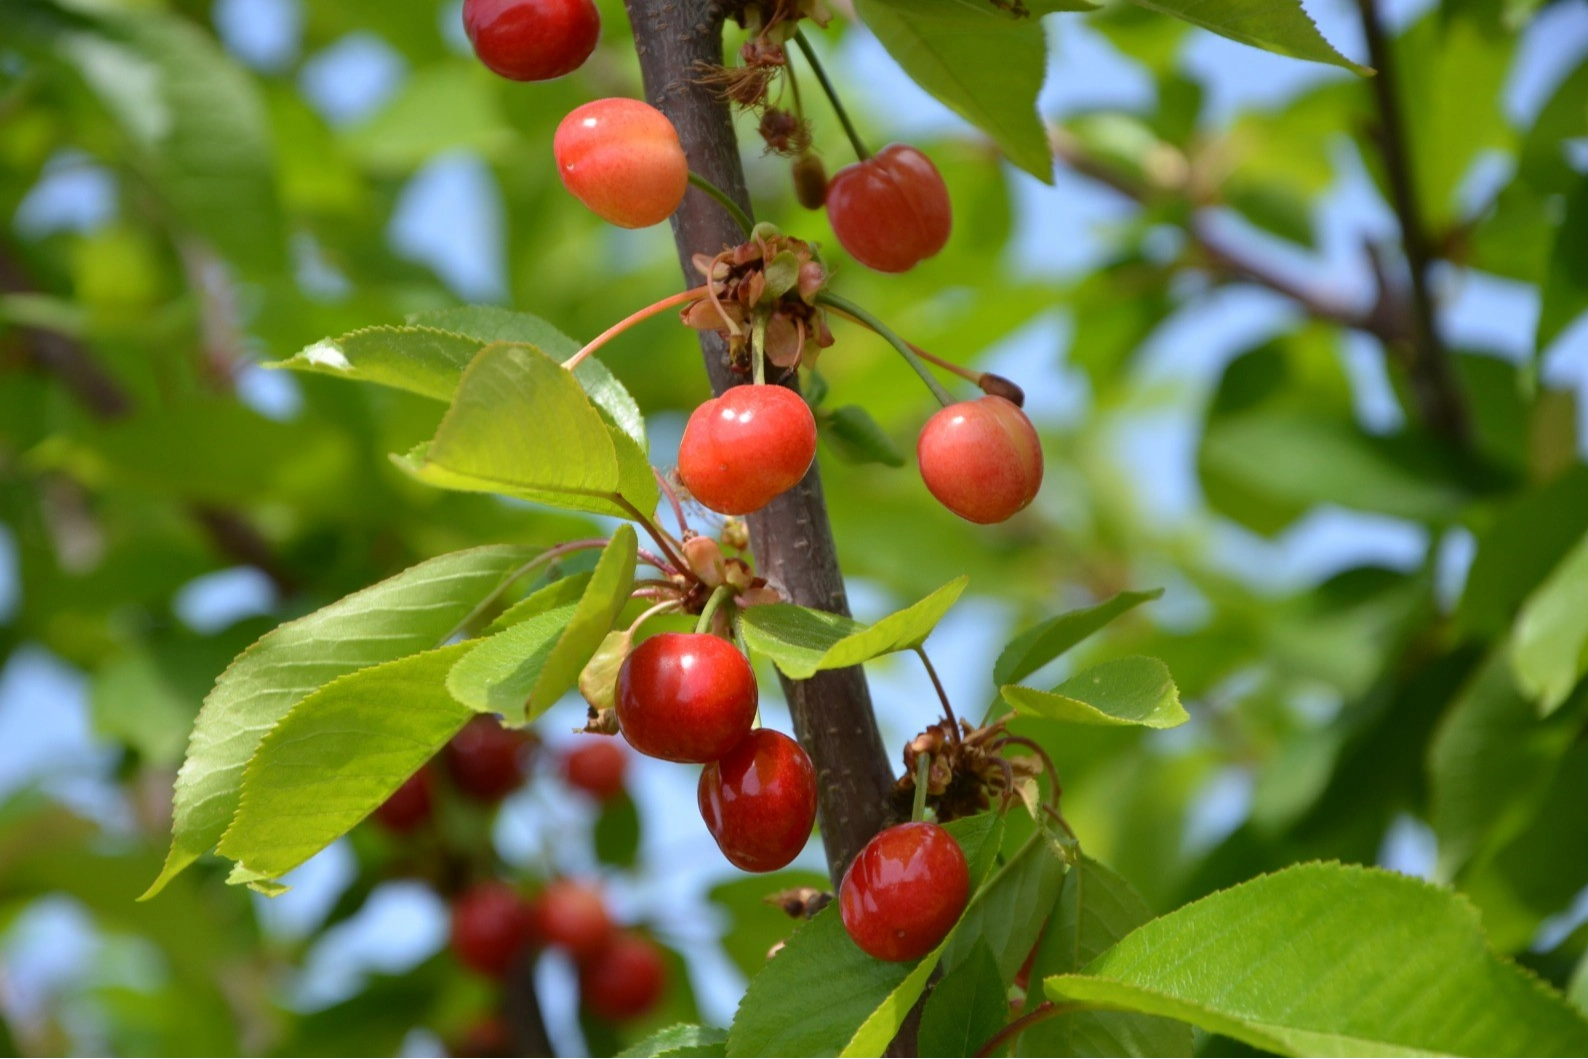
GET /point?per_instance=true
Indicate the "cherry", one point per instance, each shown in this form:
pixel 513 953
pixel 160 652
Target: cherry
pixel 487 761
pixel 532 40
pixel 622 159
pixel 891 210
pixel 596 766
pixel 759 801
pixel 625 979
pixel 491 926
pixel 981 459
pixel 686 697
pixel 904 892
pixel 573 917
pixel 744 448
pixel 409 805
pixel 487 1037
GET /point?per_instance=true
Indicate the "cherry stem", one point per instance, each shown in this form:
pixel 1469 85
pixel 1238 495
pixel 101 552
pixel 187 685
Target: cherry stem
pixel 832 95
pixel 662 540
pixel 709 611
pixel 671 604
pixel 758 350
pixel 948 709
pixel 1041 1013
pixel 652 559
pixel 848 308
pixel 923 776
pixel 1053 772
pixel 542 559
pixel 963 372
pixel 633 318
pixel 741 218
pixel 672 499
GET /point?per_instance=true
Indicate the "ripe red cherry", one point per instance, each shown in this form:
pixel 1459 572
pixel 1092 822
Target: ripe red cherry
pixel 891 210
pixel 744 448
pixel 487 1037
pixel 596 766
pixel 573 917
pixel 625 980
pixel 491 926
pixel 686 697
pixel 759 801
pixel 487 762
pixel 904 892
pixel 409 805
pixel 622 159
pixel 981 459
pixel 532 40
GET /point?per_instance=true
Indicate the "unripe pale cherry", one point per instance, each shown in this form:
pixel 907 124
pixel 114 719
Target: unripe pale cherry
pixel 982 459
pixel 687 697
pixel 532 40
pixel 744 448
pixel 624 980
pixel 622 159
pixel 759 801
pixel 891 210
pixel 904 891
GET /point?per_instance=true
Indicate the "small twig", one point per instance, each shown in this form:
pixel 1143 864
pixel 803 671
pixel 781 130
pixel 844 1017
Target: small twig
pixel 832 96
pixel 630 320
pixel 942 695
pixel 923 777
pixel 1053 773
pixel 740 218
pixel 850 309
pixel 672 499
pixel 1041 1013
pixel 662 540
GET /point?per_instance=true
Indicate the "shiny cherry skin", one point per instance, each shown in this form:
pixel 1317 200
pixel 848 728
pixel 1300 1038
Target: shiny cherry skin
pixel 532 40
pixel 625 980
pixel 892 210
pixel 491 927
pixel 687 697
pixel 486 761
pixel 409 806
pixel 573 917
pixel 744 448
pixel 759 801
pixel 622 159
pixel 904 892
pixel 596 766
pixel 982 459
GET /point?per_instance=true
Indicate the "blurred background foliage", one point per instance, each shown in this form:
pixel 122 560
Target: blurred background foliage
pixel 1209 313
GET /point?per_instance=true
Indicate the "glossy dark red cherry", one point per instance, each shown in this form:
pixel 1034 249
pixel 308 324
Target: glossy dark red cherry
pixel 574 918
pixel 532 40
pixel 491 927
pixel 892 210
pixel 982 459
pixel 409 805
pixel 904 892
pixel 686 697
pixel 744 448
pixel 596 766
pixel 625 980
pixel 759 801
pixel 486 761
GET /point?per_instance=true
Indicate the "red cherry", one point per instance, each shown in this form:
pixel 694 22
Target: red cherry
pixel 891 210
pixel 982 459
pixel 532 40
pixel 622 159
pixel 596 766
pixel 904 892
pixel 625 980
pixel 487 761
pixel 573 917
pixel 487 1037
pixel 744 448
pixel 491 926
pixel 759 801
pixel 686 697
pixel 409 805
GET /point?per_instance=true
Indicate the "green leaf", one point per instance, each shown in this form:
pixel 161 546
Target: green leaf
pixel 133 701
pixel 441 107
pixel 679 1042
pixel 1096 909
pixel 752 923
pixel 1528 537
pixel 1135 690
pixel 1280 26
pixel 1549 651
pixel 856 437
pixel 518 672
pixel 1566 280
pixel 413 611
pixel 1325 959
pixel 1008 911
pixel 617 832
pixel 1044 642
pixel 966 1008
pixel 421 360
pixel 802 642
pixel 337 756
pixel 982 64
pixel 522 425
pixel 562 592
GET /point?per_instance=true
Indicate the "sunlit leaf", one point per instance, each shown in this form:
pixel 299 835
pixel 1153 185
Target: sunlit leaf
pixel 1127 691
